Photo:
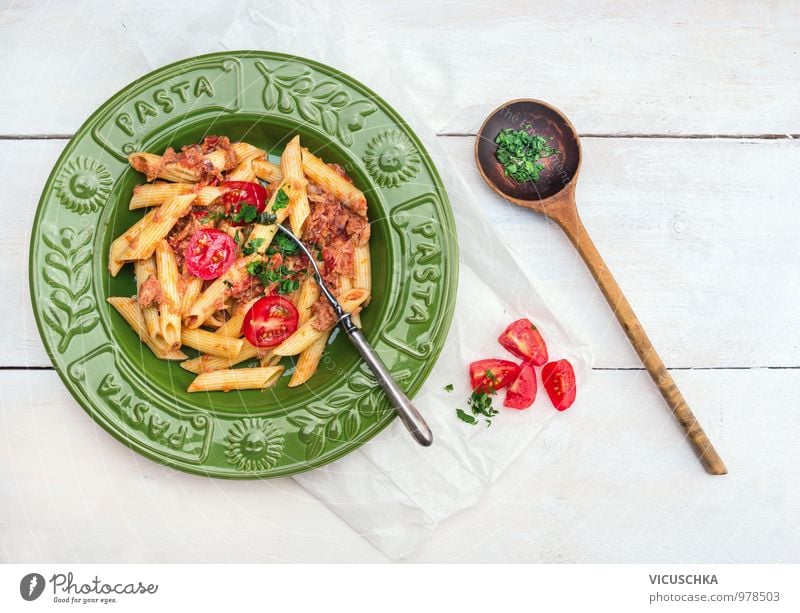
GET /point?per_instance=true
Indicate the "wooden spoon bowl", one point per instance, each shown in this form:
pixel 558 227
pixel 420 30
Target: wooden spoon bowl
pixel 542 119
pixel 554 195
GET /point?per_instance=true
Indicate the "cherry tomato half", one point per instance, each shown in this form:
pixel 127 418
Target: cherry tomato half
pixel 559 381
pixel 523 340
pixel 209 253
pixel 522 391
pixel 491 375
pixel 243 192
pixel 270 321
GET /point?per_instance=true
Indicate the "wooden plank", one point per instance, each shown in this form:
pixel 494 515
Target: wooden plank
pixel 662 68
pixel 610 480
pixel 700 234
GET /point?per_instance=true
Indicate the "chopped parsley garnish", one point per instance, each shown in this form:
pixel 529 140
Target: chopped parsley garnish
pixel 286 245
pixel 238 238
pixel 252 246
pixel 464 416
pixel 287 286
pixel 480 404
pixel 448 387
pixel 281 200
pixel 247 213
pixel 228 284
pixel 280 277
pixel 519 151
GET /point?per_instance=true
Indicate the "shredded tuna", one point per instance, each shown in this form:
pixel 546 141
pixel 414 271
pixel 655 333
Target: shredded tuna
pixel 245 290
pixel 150 293
pixel 330 220
pixel 325 315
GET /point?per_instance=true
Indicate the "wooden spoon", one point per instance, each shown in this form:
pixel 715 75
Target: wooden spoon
pixel 554 195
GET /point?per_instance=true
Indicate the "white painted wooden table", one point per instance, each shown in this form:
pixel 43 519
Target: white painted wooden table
pixel 689 117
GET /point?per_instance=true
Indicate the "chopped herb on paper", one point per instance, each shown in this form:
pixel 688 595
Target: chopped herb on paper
pixel 464 416
pixel 520 152
pixel 480 404
pixel 448 387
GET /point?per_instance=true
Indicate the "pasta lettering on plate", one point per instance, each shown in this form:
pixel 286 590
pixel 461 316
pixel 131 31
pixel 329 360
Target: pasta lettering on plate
pixel 164 101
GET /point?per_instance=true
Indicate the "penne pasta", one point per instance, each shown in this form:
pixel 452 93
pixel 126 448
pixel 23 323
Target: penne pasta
pixel 267 171
pixel 143 271
pixel 191 290
pixel 139 241
pixel 308 295
pixel 244 170
pixel 309 360
pixel 155 194
pixel 212 343
pixel 246 151
pixel 292 171
pixel 129 309
pixel 306 334
pixel 362 270
pixel 233 325
pixel 300 340
pixel 209 316
pixel 270 359
pixel 322 174
pixel 236 379
pixel 153 167
pixel 209 363
pixel 214 296
pixel 344 284
pixel 171 306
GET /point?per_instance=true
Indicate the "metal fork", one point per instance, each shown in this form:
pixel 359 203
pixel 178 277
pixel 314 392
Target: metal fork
pixel 409 415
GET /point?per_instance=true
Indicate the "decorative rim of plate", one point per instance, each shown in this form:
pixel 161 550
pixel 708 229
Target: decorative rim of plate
pixel 90 185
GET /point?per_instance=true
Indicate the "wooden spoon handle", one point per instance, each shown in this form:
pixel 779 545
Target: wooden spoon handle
pixel 571 223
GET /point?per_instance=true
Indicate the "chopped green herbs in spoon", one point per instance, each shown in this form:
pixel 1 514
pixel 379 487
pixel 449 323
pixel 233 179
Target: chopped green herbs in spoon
pixel 519 151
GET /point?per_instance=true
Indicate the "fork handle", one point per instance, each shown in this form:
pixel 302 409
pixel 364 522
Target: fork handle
pixel 409 415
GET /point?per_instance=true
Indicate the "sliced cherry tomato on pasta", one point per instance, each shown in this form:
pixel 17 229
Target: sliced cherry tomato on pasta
pixel 523 340
pixel 270 321
pixel 488 376
pixel 522 391
pixel 242 193
pixel 559 381
pixel 209 253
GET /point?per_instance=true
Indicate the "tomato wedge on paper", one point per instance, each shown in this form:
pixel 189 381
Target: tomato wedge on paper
pixel 522 391
pixel 487 376
pixel 523 339
pixel 559 382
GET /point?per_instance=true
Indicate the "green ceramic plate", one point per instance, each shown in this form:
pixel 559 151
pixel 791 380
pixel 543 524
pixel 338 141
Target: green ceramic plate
pixel 262 98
